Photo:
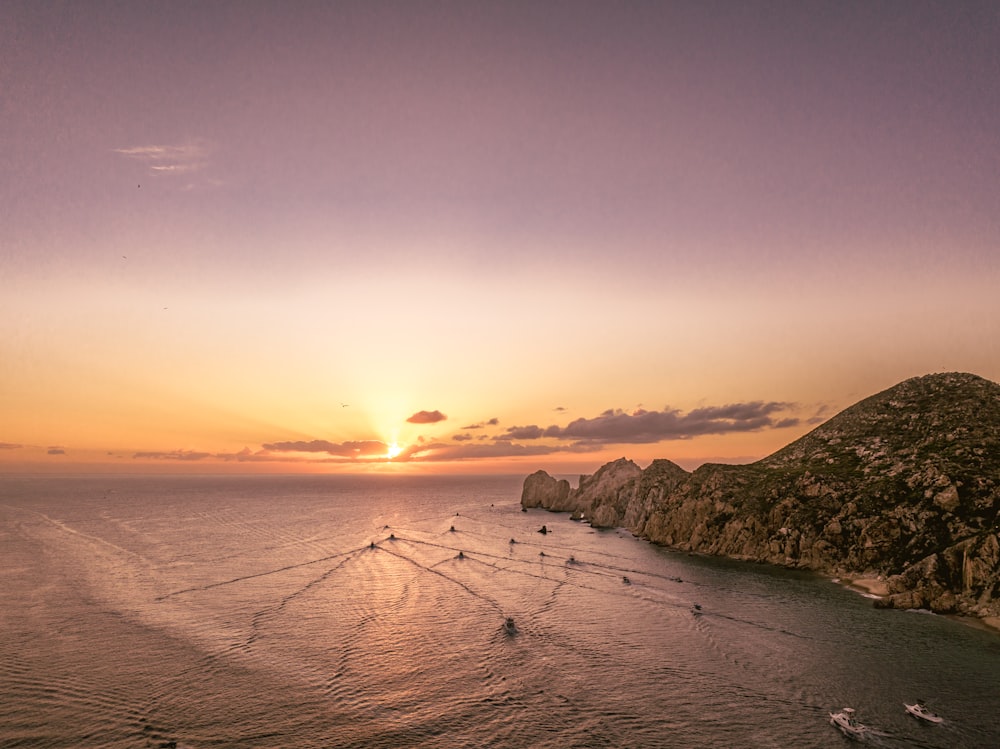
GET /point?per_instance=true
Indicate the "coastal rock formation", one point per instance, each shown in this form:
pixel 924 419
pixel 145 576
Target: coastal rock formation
pixel 904 485
pixel 608 480
pixel 541 490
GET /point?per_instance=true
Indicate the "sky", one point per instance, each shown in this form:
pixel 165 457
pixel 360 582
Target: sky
pixel 483 237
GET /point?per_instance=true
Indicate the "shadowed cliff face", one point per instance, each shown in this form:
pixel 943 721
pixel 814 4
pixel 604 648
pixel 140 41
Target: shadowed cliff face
pixel 904 484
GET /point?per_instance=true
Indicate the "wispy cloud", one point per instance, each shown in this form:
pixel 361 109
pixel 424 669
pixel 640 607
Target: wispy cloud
pixel 187 455
pixel 168 160
pixel 426 417
pixel 821 415
pixel 313 451
pixel 9 446
pixel 433 452
pixel 352 449
pixel 56 451
pixel 481 425
pixel 245 455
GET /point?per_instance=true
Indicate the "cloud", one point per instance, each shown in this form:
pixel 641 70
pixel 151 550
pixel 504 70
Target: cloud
pixel 353 449
pixel 188 455
pixel 490 423
pixel 244 455
pixel 820 416
pixel 168 159
pixel 525 433
pixel 426 417
pixel 791 421
pixel 9 446
pixel 439 452
pixel 580 436
pixel 56 451
pixel 641 426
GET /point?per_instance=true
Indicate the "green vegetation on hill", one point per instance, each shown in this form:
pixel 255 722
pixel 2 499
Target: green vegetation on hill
pixel 904 484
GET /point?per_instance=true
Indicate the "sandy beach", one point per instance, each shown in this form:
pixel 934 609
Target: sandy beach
pixel 875 587
pixel 988 622
pixel 872 585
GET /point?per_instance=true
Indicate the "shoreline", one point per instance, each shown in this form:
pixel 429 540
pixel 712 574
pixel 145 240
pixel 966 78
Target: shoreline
pixel 985 623
pixel 873 587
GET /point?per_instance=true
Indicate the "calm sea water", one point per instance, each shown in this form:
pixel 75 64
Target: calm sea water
pixel 368 612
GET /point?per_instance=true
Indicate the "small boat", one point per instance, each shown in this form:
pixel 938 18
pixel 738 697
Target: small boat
pixel 920 711
pixel 848 724
pixel 696 608
pixel 508 626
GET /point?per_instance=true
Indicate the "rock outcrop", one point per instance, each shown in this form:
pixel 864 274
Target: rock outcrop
pixel 541 490
pixel 904 485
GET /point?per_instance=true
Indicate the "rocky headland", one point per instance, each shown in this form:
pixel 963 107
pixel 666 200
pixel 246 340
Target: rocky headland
pixel 903 486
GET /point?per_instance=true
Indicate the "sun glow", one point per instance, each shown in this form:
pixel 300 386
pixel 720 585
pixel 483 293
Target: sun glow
pixel 393 450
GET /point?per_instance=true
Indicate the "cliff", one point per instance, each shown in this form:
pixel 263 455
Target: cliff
pixel 904 484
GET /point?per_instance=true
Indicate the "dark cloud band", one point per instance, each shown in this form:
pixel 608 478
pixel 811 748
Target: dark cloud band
pixel 641 426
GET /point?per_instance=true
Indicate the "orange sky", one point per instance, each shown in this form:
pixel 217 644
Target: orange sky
pixel 264 240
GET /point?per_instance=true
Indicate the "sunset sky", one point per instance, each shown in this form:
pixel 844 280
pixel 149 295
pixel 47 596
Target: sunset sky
pixel 314 236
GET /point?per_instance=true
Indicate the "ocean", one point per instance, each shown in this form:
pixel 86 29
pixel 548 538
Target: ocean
pixel 369 611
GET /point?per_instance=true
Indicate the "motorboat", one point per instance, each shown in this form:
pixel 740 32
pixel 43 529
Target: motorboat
pixel 509 626
pixel 848 724
pixel 696 608
pixel 919 710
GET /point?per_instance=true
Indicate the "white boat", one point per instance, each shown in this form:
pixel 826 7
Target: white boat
pixel 848 724
pixel 919 710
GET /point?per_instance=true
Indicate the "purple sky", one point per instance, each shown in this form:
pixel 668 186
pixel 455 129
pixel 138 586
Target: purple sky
pixel 486 210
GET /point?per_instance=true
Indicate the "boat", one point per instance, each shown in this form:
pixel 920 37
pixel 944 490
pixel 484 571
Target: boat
pixel 696 608
pixel 509 627
pixel 848 724
pixel 919 710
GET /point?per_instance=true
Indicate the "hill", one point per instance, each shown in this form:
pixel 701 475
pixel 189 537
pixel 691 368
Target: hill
pixel 904 485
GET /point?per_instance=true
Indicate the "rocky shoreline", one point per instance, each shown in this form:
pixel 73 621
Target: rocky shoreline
pixel 901 489
pixel 878 590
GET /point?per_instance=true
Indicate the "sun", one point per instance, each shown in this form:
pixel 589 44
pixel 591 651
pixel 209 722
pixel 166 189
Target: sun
pixel 393 450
